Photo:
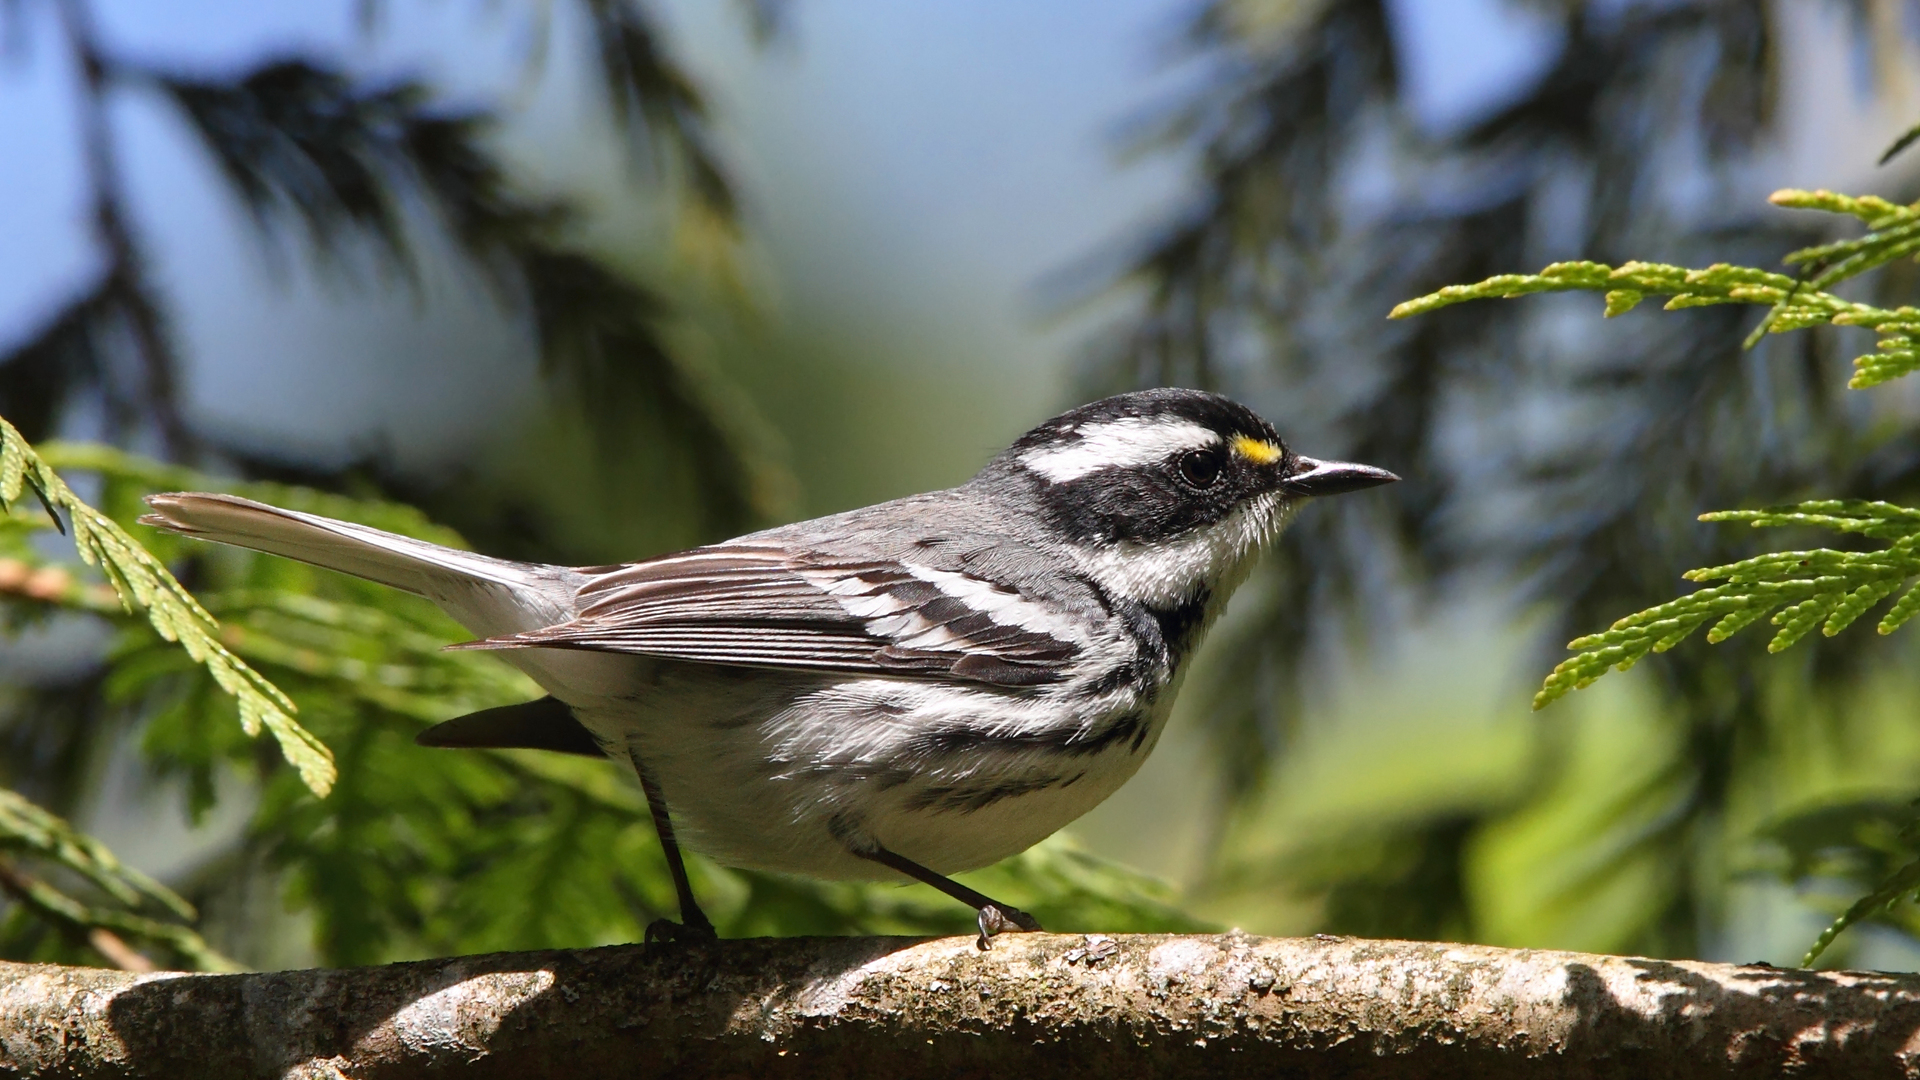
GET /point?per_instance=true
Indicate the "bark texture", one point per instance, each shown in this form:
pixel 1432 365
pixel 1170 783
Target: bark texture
pixel 1037 1005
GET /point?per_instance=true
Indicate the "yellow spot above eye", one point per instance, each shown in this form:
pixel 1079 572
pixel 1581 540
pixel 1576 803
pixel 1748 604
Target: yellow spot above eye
pixel 1258 451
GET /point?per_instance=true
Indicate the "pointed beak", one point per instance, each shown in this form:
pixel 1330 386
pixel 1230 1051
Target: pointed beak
pixel 1306 477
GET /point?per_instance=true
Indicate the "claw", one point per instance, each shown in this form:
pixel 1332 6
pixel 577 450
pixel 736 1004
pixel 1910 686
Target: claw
pixel 996 919
pixel 665 931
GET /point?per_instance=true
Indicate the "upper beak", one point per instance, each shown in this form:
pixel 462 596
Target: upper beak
pixel 1305 477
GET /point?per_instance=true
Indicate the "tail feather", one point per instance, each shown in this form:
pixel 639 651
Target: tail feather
pixel 376 555
pixel 484 593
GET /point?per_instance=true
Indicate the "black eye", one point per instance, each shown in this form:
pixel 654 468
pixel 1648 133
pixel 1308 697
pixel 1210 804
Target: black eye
pixel 1200 467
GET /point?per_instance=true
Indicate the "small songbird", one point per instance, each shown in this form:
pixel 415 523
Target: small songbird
pixel 912 689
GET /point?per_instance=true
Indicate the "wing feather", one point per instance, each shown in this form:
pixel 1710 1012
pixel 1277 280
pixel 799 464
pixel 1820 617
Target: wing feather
pixel 766 606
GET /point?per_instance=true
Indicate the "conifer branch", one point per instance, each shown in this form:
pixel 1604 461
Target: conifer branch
pixel 1793 303
pixel 27 829
pixel 142 582
pixel 308 146
pixel 1821 588
pixel 1800 590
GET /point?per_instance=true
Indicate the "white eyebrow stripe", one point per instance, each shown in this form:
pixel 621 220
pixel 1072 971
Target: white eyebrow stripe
pixel 1117 444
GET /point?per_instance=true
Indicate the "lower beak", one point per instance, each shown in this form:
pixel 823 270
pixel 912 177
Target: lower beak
pixel 1307 477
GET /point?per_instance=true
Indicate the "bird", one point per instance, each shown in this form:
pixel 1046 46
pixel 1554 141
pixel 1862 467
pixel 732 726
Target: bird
pixel 908 690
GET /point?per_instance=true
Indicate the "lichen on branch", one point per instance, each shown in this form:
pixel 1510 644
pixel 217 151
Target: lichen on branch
pixel 1036 1005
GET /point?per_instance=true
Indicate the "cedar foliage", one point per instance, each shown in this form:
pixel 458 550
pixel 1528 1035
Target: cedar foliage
pixel 1823 587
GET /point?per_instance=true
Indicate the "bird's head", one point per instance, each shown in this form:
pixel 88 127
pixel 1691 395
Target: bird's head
pixel 1163 492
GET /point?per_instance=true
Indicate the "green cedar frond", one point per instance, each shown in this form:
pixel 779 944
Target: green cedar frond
pixel 1802 590
pixel 29 830
pixel 1888 893
pixel 1905 140
pixel 1894 233
pixel 1874 211
pixel 141 581
pixel 1794 303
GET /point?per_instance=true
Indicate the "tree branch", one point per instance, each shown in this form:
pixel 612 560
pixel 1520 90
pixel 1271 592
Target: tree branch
pixel 1036 1005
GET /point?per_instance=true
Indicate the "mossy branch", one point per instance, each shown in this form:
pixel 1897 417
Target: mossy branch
pixel 142 583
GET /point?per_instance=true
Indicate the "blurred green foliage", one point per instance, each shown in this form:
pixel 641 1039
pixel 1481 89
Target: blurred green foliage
pixel 1823 588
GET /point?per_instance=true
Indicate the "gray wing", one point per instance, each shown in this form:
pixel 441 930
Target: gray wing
pixel 767 606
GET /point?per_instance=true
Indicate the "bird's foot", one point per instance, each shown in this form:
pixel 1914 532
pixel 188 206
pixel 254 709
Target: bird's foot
pixel 666 931
pixel 998 919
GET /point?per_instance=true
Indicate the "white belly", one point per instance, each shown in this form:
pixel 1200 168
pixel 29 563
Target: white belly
pixel 789 772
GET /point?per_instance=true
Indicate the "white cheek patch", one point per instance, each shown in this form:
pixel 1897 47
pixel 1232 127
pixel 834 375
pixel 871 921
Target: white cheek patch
pixel 1216 556
pixel 1129 442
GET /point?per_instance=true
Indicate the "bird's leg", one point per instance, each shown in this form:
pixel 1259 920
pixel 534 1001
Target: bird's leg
pixel 995 916
pixel 693 923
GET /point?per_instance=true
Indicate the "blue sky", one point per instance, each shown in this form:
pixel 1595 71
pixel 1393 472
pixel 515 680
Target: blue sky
pixel 912 173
